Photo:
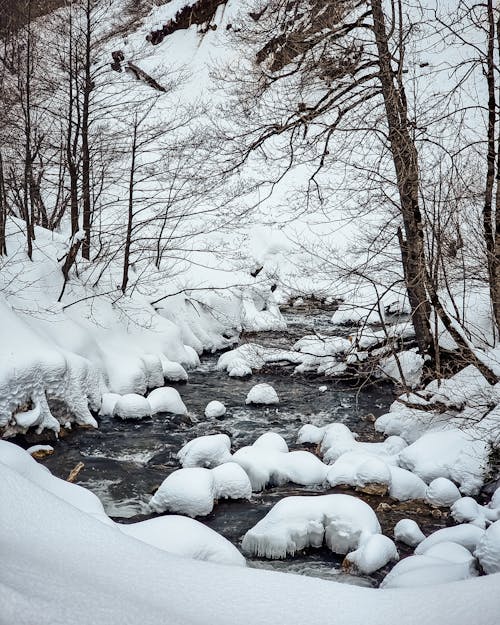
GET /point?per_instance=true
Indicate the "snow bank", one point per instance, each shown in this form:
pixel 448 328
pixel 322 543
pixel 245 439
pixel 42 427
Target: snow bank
pixel 342 522
pixel 193 491
pixel 262 394
pixel 185 537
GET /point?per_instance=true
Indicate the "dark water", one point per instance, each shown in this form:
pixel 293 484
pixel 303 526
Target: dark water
pixel 125 461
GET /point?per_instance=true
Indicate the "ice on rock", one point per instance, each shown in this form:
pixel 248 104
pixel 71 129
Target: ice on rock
pixel 215 409
pixel 193 491
pixel 185 537
pixel 132 406
pixel 272 441
pixel 262 394
pixel 466 535
pixel 166 399
pixel 408 532
pixel 455 454
pixel 231 482
pixel 373 554
pixel 206 451
pixel 488 549
pixel 442 492
pixel 108 404
pixel 342 522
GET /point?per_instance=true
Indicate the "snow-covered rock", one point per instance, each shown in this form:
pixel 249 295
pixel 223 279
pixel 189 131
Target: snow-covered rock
pixel 166 399
pixel 373 554
pixel 193 491
pixel 40 451
pixel 206 451
pixel 442 492
pixel 342 522
pixel 411 364
pixel 466 535
pixel 262 394
pixel 467 510
pixel 173 371
pixel 185 537
pixel 215 409
pixel 408 532
pixel 108 404
pixel 132 406
pixel 272 441
pixel 488 549
pixel 423 570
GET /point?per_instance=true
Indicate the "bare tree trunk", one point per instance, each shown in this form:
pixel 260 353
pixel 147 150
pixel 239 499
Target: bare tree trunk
pixel 405 160
pixel 3 211
pixel 128 238
pixel 87 88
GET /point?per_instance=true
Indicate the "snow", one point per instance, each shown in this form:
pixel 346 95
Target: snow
pixel 408 532
pixel 442 492
pixel 166 399
pixel 193 491
pixel 173 371
pixel 342 522
pixel 488 549
pixel 215 409
pixel 36 449
pixel 206 451
pixel 411 364
pixel 373 554
pixel 132 406
pixel 262 394
pixel 108 404
pixel 466 535
pixel 418 571
pixel 271 441
pixel 185 537
pixel 467 510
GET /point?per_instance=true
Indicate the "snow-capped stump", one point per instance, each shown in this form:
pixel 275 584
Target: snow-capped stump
pixel 262 394
pixel 466 535
pixel 488 549
pixel 185 537
pixel 342 522
pixel 132 406
pixel 108 404
pixel 166 399
pixel 442 492
pixel 215 409
pixel 206 451
pixel 408 532
pixel 273 441
pixel 193 491
pixel 373 554
pixel 467 510
pixel 38 452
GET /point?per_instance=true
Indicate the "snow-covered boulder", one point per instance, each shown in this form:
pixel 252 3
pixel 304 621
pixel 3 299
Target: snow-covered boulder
pixel 454 454
pixel 166 399
pixel 424 570
pixel 262 394
pixel 488 549
pixel 442 492
pixel 272 441
pixel 410 364
pixel 193 491
pixel 108 404
pixel 185 537
pixel 466 535
pixel 215 409
pixel 408 532
pixel 373 554
pixel 132 406
pixel 342 522
pixel 206 451
pixel 173 371
pixel 467 510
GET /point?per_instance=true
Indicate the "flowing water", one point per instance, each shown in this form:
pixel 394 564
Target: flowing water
pixel 125 461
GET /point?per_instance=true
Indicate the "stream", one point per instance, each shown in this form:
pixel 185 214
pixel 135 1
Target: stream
pixel 125 461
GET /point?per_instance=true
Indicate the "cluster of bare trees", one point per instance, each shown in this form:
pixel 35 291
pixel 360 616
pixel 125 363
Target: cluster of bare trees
pixel 404 97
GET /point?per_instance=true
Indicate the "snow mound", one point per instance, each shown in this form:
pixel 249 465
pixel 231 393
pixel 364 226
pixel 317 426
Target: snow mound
pixel 132 406
pixel 442 492
pixel 454 454
pixel 467 510
pixel 266 466
pixel 426 570
pixel 466 535
pixel 215 409
pixel 408 532
pixel 411 365
pixel 262 394
pixel 108 404
pixel 373 554
pixel 250 357
pixel 342 522
pixel 166 399
pixel 193 491
pixel 206 451
pixel 173 371
pixel 185 537
pixel 272 441
pixel 488 549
